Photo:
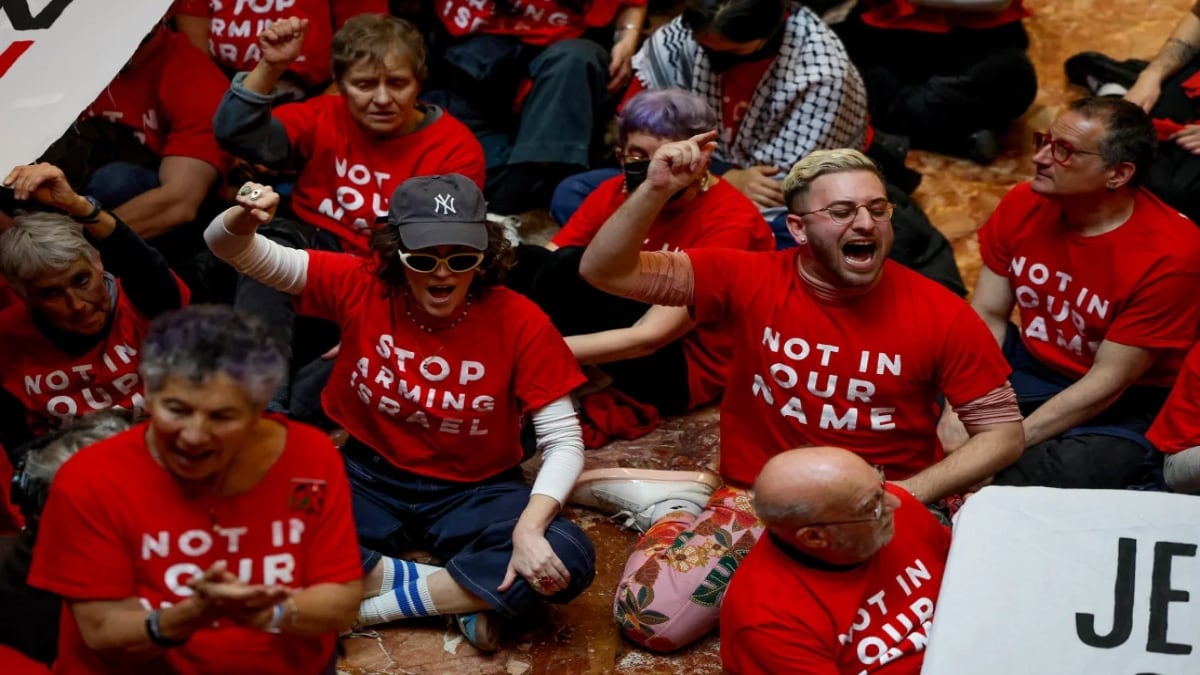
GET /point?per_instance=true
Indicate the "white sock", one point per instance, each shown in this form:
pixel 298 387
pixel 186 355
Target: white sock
pixel 1111 89
pixel 403 602
pixel 398 572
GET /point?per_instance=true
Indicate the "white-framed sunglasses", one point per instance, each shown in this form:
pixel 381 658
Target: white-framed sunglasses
pixel 427 262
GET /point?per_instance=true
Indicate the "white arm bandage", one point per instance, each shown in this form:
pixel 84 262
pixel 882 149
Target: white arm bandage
pixel 561 442
pixel 282 268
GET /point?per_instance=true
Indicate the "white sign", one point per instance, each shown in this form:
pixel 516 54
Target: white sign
pixel 56 56
pixel 1070 581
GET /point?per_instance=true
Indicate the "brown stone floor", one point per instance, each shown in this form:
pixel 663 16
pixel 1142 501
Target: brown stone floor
pixel 957 195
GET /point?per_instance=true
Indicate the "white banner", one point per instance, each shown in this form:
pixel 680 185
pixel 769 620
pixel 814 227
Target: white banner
pixel 1070 581
pixel 56 56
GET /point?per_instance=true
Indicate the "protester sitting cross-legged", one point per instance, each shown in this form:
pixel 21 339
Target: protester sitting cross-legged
pixel 88 289
pixel 1104 274
pixel 29 617
pixel 438 363
pixel 655 354
pixel 824 592
pixel 833 344
pixel 351 151
pixel 211 538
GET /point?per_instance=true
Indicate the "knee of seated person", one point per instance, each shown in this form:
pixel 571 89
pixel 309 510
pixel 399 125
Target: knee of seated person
pixel 115 183
pixel 573 54
pixel 577 554
pixel 1181 471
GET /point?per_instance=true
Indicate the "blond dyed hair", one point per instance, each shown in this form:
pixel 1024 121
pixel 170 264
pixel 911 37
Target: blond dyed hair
pixel 819 163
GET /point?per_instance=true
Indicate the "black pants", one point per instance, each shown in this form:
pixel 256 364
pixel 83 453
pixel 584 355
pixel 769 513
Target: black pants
pixel 937 88
pixel 1108 451
pixel 304 339
pixel 551 279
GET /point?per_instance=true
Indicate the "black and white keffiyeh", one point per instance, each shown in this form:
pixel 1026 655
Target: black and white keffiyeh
pixel 811 98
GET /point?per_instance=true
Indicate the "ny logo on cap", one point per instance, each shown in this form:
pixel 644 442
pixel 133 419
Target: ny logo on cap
pixel 444 204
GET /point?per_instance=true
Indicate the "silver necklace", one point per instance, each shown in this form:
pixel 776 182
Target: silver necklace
pixel 427 329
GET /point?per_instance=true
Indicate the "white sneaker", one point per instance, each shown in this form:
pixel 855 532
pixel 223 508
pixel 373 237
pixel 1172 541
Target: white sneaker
pixel 643 495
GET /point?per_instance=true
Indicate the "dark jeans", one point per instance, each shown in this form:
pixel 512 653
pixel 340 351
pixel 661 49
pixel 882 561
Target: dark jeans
pixel 937 88
pixel 304 339
pixel 467 526
pixel 551 279
pixel 1109 451
pixel 479 78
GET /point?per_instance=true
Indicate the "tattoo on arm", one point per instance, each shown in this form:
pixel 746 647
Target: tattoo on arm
pixel 1176 53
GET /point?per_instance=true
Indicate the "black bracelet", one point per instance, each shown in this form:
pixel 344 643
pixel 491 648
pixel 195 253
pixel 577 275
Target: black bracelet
pixel 94 216
pixel 155 632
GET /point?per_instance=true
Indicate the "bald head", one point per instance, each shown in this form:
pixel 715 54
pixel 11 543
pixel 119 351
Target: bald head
pixel 807 484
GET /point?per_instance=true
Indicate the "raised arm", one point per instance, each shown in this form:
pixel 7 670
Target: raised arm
pixel 243 124
pixel 613 262
pixel 1176 52
pixel 148 281
pixel 232 237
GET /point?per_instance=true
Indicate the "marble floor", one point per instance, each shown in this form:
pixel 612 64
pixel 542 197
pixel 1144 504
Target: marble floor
pixel 957 195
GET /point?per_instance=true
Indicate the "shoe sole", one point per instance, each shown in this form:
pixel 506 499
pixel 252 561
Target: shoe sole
pixel 648 475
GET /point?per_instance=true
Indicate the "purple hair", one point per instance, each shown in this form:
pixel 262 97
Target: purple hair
pixel 199 342
pixel 673 114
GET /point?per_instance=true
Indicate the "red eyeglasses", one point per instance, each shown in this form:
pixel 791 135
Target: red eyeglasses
pixel 1060 150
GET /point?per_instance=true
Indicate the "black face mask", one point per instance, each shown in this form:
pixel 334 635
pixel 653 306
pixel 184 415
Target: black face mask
pixel 723 61
pixel 635 174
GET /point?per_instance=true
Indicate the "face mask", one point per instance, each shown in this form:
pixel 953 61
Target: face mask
pixel 723 61
pixel 635 173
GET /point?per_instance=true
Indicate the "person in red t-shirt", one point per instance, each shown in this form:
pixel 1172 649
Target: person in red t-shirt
pixel 833 344
pixel 228 31
pixel 71 345
pixel 438 364
pixel 949 79
pixel 1104 275
pixel 1176 430
pixel 846 579
pixel 351 150
pixel 212 538
pixel 654 353
pixel 533 85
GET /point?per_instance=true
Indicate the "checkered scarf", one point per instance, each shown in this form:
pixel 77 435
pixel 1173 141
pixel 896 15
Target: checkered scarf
pixel 812 97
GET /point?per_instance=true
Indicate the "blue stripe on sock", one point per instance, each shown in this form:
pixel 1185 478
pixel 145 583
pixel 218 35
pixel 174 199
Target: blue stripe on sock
pixel 409 569
pixel 404 599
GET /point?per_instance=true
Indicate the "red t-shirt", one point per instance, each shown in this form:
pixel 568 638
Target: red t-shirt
pixel 347 177
pixel 719 218
pixel 117 526
pixel 445 404
pixel 52 384
pixel 1133 285
pixel 169 101
pixel 1177 426
pixel 535 22
pixel 739 84
pixel 862 374
pixel 782 616
pixel 235 25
